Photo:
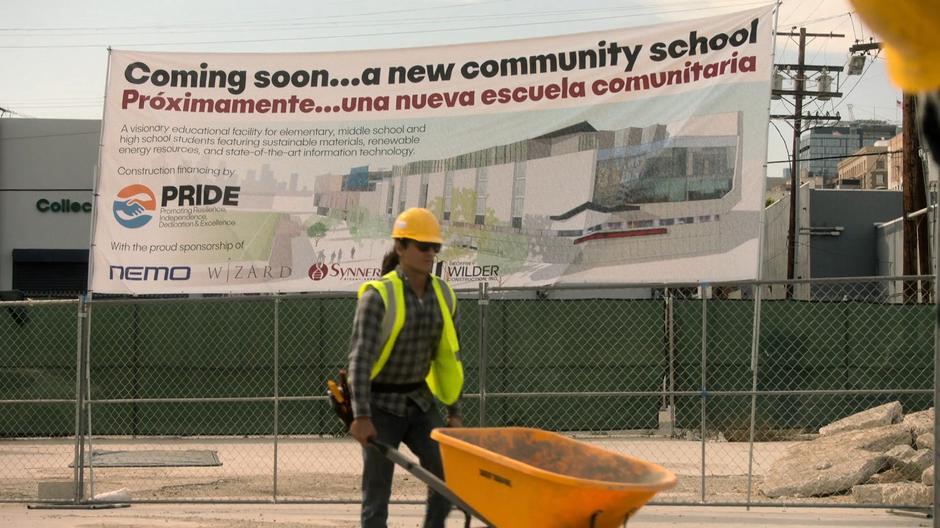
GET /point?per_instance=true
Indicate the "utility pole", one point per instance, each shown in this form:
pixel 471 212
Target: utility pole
pixel 915 199
pixel 914 190
pixel 798 93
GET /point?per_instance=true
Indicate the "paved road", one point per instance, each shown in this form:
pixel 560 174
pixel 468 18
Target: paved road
pixel 345 516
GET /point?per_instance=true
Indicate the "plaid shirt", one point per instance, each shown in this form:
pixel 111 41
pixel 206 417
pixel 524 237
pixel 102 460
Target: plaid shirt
pixel 410 359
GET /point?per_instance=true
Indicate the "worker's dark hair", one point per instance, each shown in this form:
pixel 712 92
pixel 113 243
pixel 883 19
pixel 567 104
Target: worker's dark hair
pixel 390 260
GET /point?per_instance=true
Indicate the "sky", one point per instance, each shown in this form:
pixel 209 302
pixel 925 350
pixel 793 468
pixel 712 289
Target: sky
pixel 53 53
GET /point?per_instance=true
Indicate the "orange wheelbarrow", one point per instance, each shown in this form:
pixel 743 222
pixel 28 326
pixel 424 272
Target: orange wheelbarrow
pixel 519 478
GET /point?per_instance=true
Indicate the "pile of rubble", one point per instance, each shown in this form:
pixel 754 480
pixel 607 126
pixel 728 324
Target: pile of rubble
pixel 879 455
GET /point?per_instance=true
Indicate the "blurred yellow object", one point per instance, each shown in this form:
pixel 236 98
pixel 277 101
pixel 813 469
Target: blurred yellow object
pixel 334 390
pixel 418 224
pixel 909 29
pixel 520 478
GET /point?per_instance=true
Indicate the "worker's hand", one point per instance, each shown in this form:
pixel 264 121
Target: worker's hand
pixel 454 421
pixel 362 430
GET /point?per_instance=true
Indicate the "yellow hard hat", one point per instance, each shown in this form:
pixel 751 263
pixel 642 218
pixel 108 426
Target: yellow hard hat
pixel 417 224
pixel 909 29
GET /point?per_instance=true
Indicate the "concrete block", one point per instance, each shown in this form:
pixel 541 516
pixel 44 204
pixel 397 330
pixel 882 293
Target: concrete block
pixel 925 441
pixel 920 422
pixel 886 414
pixel 823 473
pixel 56 490
pixel 667 422
pixel 909 462
pixel 897 494
pixel 886 477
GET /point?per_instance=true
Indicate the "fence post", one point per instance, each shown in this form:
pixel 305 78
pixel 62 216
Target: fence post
pixel 755 356
pixel 483 301
pixel 87 403
pixel 671 336
pixel 704 290
pixel 936 372
pixel 135 371
pixel 79 459
pixel 277 304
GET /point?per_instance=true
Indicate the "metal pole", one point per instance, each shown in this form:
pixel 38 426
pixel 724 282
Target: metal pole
pixel 135 370
pixel 909 160
pixel 755 356
pixel 79 458
pixel 87 399
pixel 277 304
pixel 758 295
pixel 483 301
pixel 936 377
pixel 704 289
pixel 936 352
pixel 86 369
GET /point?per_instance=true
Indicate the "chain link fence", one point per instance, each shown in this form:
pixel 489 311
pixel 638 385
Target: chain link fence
pixel 40 358
pixel 223 399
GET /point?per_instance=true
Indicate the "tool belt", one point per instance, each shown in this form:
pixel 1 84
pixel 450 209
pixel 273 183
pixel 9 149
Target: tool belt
pixel 397 388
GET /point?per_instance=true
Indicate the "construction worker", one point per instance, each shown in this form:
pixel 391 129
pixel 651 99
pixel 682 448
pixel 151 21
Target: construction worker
pixel 404 355
pixel 909 29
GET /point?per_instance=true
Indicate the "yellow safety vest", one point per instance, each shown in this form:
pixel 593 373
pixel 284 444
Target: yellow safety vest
pixel 446 376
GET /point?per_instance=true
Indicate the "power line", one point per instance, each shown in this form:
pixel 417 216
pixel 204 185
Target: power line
pixel 818 5
pixel 840 157
pixel 358 22
pixel 357 16
pixel 380 34
pixel 854 33
pixel 250 23
pixel 796 9
pixel 787 147
pixel 823 19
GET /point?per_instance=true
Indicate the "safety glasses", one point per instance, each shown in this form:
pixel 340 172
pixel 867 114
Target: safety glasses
pixel 424 247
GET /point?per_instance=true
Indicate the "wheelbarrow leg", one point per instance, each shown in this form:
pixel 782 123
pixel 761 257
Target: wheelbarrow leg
pixel 627 517
pixel 428 478
pixel 597 514
pixel 466 523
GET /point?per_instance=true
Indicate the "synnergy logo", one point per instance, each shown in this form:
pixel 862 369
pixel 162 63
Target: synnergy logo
pixel 321 271
pixel 318 271
pixel 134 206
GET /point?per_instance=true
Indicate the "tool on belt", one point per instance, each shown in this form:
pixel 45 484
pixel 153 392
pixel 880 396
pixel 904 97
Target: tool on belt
pixel 340 398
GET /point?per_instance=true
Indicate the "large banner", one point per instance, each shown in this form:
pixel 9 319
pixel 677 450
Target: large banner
pixel 632 155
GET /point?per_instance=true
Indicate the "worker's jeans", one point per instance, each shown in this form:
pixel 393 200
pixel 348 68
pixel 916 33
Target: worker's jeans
pixel 415 431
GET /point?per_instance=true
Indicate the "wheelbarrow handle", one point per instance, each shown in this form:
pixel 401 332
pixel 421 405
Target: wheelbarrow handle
pixel 427 477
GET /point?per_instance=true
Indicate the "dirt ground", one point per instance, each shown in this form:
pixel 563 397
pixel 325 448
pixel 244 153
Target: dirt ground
pixel 326 472
pixel 316 469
